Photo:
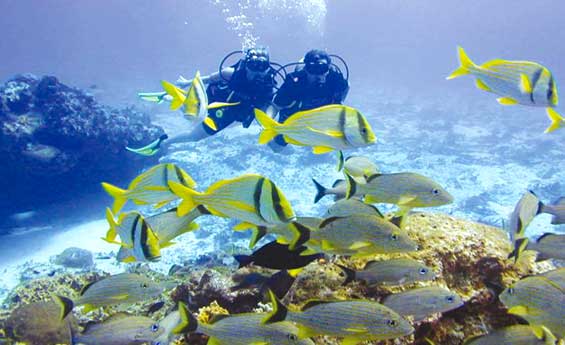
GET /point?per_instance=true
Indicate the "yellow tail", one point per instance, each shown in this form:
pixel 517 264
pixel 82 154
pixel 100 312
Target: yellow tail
pixel 465 64
pixel 177 94
pixel 112 232
pixel 557 121
pixel 186 194
pixel 119 195
pixel 269 126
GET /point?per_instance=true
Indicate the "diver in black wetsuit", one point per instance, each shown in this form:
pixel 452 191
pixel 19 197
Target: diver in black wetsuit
pixel 315 83
pixel 250 81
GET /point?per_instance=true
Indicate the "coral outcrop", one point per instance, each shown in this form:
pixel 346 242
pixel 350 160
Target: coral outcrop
pixel 468 258
pixel 55 139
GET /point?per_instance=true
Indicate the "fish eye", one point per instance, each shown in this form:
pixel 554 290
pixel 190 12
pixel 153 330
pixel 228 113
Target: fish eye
pixel 394 237
pixel 435 191
pixel 392 323
pixel 155 328
pixel 292 337
pixel 511 291
pixel 423 270
pixel 450 299
pixel 363 130
pixel 144 285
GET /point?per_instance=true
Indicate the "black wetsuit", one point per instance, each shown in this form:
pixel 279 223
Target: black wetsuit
pixel 251 94
pixel 296 94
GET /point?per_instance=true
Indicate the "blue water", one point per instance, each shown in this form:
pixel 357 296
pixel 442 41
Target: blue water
pixel 398 52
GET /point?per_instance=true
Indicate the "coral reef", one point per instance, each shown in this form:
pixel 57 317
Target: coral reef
pixel 52 134
pixel 469 258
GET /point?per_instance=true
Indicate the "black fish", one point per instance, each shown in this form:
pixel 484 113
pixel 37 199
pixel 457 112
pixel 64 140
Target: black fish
pixel 279 282
pixel 155 307
pixel 278 257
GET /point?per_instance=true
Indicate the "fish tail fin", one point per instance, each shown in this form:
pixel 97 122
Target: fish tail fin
pixel 176 93
pixel 186 194
pixel 258 233
pixel 351 186
pixel 243 260
pixel 340 160
pixel 320 191
pixel 279 312
pixel 519 246
pixel 269 126
pixel 113 231
pixel 557 121
pixel 349 274
pixel 119 195
pixel 188 323
pixel 465 64
pixel 66 305
pixel 301 235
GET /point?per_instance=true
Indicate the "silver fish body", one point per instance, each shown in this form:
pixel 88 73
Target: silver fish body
pixel 421 303
pixel 121 330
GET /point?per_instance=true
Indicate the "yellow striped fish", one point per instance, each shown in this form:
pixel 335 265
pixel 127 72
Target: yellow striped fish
pixel 327 128
pixel 354 320
pixel 116 289
pixel 251 198
pixel 194 101
pixel 517 82
pixel 239 329
pixel 150 187
pixel 136 236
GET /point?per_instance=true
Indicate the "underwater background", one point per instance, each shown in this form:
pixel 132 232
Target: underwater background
pixel 398 53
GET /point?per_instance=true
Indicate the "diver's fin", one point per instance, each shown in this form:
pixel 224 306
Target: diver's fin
pixel 155 97
pixel 269 126
pixel 557 121
pixel 465 64
pixel 216 105
pixel 506 101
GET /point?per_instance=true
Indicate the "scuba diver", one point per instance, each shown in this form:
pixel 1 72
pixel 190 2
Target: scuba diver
pixel 250 82
pixel 316 82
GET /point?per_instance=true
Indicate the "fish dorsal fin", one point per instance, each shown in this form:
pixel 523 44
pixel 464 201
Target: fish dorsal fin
pixel 312 303
pixel 336 182
pixel 217 317
pixel 86 287
pixel 329 220
pixel 117 316
pixel 370 264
